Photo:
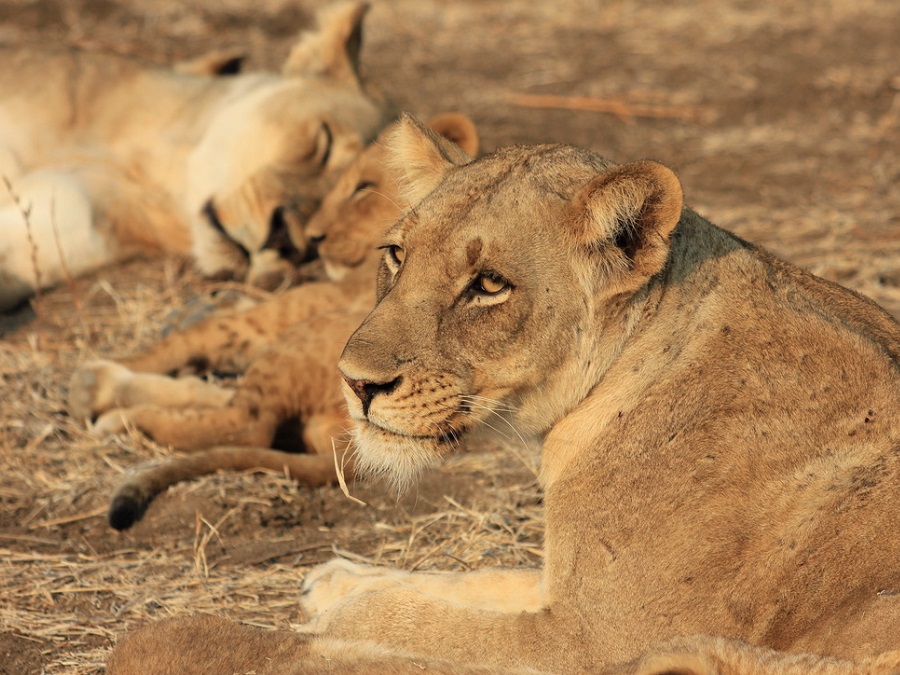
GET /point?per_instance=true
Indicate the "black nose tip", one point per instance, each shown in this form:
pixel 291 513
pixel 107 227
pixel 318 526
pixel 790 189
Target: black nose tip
pixel 366 390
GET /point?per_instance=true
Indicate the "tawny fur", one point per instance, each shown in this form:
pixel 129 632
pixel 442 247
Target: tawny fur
pixel 720 434
pixel 106 159
pixel 287 349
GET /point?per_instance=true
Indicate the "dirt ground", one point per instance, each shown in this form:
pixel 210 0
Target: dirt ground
pixel 782 119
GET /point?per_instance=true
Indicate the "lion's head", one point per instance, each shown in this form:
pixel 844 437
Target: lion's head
pixel 502 293
pixel 365 201
pixel 273 150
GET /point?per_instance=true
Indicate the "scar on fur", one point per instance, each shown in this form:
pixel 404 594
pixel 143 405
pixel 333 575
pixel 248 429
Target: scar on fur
pixel 473 252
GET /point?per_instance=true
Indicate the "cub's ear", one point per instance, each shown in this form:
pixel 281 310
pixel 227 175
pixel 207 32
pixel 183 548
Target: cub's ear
pixel 215 63
pixel 333 50
pixel 418 157
pixel 627 215
pixel 458 128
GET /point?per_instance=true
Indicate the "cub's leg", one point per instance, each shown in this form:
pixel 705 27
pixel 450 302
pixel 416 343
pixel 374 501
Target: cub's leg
pixel 99 386
pixel 300 319
pixel 297 378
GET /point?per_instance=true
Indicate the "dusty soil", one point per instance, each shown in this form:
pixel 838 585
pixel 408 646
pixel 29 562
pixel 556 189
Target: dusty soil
pixel 782 119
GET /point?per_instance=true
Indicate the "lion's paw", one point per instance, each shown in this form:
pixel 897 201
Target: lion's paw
pixel 94 388
pixel 327 585
pixel 110 423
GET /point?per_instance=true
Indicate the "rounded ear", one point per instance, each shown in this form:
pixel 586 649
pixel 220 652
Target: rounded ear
pixel 214 63
pixel 458 128
pixel 418 157
pixel 333 50
pixel 627 214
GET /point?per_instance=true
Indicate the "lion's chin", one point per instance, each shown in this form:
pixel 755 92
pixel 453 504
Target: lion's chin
pixel 398 459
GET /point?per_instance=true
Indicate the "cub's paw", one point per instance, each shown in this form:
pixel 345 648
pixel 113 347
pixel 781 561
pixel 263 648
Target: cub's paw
pixel 94 388
pixel 113 422
pixel 327 585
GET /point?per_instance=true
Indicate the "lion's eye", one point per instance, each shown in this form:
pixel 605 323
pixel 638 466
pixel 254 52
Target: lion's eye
pixel 489 285
pixel 362 190
pixel 394 255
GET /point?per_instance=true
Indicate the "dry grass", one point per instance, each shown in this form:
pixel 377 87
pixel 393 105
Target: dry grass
pixel 71 585
pixel 800 151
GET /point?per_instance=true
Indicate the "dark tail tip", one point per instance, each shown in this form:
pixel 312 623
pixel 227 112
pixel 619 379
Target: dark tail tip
pixel 125 511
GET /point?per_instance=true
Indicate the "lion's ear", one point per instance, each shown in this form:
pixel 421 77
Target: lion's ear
pixel 458 128
pixel 627 214
pixel 333 50
pixel 419 158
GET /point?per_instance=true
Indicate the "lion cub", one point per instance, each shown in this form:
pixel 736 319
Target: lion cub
pixel 287 348
pixel 106 159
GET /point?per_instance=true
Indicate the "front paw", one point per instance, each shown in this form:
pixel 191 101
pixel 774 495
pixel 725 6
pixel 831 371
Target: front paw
pixel 113 422
pixel 329 584
pixel 94 388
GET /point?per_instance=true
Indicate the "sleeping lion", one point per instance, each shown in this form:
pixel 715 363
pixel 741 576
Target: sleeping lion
pixel 104 159
pixel 720 430
pixel 286 347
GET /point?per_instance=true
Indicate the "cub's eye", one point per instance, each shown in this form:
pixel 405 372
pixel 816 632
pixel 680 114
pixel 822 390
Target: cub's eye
pixel 363 185
pixel 489 285
pixel 326 139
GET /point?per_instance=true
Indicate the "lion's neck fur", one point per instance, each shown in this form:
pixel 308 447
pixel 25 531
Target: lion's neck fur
pixel 657 453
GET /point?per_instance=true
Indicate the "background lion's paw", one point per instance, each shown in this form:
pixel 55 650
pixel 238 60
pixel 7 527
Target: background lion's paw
pixel 93 388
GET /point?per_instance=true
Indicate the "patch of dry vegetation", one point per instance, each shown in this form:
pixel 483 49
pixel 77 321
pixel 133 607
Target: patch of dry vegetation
pixel 801 153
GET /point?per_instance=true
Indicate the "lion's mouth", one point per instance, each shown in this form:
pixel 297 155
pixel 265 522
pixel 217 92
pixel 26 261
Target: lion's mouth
pixel 449 436
pixel 278 240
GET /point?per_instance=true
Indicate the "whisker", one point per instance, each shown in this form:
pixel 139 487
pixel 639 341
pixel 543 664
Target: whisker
pixel 388 198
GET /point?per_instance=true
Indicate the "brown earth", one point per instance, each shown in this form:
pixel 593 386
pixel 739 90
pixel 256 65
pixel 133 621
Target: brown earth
pixel 782 119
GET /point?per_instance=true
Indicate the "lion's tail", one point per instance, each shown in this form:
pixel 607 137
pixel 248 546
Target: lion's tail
pixel 139 487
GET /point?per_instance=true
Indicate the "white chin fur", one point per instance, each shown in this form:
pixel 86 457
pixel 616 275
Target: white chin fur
pixel 399 460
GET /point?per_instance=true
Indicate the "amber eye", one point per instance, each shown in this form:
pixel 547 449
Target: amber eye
pixel 394 256
pixel 490 285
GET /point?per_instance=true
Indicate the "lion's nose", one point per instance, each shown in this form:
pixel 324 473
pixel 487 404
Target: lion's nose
pixel 366 390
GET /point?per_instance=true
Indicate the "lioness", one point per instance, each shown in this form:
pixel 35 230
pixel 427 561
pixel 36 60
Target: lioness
pixel 105 159
pixel 288 347
pixel 721 433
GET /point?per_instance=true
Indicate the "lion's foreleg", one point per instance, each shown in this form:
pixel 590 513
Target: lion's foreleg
pixel 492 616
pixel 406 620
pixel 493 589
